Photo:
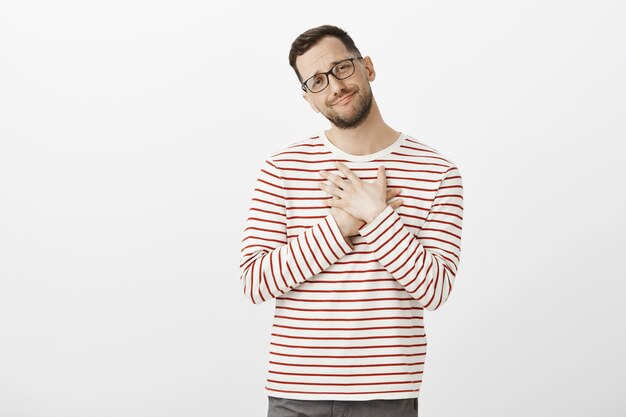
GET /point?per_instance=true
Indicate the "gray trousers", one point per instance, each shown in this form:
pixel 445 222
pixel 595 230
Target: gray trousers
pixel 285 407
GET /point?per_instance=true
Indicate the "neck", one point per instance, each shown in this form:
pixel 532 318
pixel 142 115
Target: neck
pixel 370 136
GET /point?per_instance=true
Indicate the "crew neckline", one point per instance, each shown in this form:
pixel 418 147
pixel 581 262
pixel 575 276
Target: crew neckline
pixel 361 158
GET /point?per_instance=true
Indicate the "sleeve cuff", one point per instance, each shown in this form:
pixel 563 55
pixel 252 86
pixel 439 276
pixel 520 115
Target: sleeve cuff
pixel 337 240
pixel 371 227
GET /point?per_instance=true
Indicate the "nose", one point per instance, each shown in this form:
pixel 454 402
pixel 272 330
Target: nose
pixel 336 86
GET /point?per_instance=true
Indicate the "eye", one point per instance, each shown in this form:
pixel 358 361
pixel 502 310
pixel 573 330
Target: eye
pixel 318 80
pixel 343 67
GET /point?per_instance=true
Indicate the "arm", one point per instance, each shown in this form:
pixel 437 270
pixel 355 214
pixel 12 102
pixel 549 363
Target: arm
pixel 270 264
pixel 425 264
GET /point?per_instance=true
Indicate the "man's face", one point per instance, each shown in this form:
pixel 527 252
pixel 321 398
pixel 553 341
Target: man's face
pixel 345 103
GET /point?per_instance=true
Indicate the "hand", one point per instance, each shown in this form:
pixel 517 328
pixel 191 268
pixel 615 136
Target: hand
pixel 361 200
pixel 350 225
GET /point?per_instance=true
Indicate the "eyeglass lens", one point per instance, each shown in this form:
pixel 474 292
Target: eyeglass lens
pixel 342 70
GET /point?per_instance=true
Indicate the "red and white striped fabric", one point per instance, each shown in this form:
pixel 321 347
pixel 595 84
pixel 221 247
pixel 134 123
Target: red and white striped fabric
pixel 348 323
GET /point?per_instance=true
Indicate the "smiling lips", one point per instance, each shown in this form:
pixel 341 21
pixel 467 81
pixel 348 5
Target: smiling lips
pixel 344 99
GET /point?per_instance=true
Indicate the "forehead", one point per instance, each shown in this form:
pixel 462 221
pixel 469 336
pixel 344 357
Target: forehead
pixel 321 57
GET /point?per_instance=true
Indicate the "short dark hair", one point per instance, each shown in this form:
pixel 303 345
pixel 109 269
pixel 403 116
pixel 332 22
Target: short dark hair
pixel 308 39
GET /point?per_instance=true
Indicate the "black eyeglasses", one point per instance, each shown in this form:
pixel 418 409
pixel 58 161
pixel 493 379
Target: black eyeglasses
pixel 340 71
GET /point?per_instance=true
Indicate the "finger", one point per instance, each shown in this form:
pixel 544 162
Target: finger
pixel 330 202
pixel 389 199
pixel 338 202
pixel 396 203
pixel 381 177
pixel 334 179
pixel 348 173
pixel 393 191
pixel 326 188
pixel 333 190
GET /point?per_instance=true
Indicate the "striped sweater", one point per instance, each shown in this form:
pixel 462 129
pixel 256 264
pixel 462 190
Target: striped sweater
pixel 348 321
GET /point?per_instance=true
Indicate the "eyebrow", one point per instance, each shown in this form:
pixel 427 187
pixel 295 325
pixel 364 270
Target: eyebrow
pixel 332 63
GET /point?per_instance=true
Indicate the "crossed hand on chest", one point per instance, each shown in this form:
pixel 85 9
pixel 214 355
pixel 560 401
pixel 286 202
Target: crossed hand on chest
pixel 362 200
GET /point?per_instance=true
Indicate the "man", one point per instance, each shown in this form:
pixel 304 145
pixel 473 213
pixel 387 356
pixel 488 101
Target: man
pixel 351 267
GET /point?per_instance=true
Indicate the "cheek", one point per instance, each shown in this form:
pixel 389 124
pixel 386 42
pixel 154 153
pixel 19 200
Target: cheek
pixel 314 105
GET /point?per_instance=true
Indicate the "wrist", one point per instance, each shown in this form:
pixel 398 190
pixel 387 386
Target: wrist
pixel 374 214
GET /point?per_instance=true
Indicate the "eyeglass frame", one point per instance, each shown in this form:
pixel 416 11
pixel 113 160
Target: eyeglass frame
pixel 305 87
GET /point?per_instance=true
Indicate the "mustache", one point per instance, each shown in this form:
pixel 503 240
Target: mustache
pixel 346 94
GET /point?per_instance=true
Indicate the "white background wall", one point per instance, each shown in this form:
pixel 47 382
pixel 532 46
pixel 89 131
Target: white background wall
pixel 130 137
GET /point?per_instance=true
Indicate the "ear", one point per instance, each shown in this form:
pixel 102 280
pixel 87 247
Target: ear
pixel 308 99
pixel 369 68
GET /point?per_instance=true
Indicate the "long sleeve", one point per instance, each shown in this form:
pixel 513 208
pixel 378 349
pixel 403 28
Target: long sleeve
pixel 271 264
pixel 426 263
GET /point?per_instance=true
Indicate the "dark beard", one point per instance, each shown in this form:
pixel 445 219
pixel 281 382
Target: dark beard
pixel 363 108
